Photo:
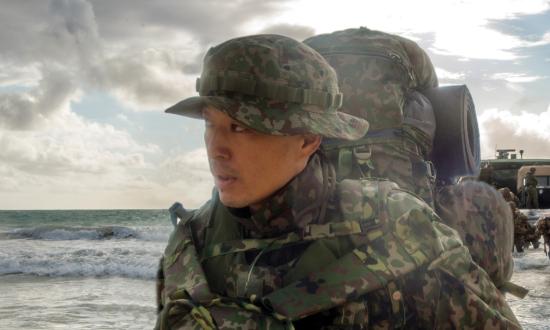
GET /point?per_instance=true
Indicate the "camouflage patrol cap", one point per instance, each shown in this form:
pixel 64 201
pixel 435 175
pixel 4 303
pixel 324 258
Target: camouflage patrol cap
pixel 274 85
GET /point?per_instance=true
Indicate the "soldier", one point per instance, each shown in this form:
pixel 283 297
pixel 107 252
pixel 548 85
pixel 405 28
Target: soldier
pixel 520 227
pixel 543 229
pixel 508 195
pixel 281 244
pixel 531 189
pixel 532 237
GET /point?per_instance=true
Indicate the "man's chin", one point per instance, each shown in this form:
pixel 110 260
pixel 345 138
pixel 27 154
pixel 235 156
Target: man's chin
pixel 232 201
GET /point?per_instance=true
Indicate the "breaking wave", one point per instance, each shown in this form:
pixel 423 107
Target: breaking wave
pixel 532 259
pixel 88 262
pixel 64 233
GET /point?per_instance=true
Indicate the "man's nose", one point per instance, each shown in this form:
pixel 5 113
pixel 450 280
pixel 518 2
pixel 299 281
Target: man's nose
pixel 217 144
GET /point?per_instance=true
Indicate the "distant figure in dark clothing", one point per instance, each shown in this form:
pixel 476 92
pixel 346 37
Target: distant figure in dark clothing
pixel 531 189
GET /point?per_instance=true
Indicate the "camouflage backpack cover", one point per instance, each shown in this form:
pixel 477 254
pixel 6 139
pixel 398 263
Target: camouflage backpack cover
pixel 380 75
pixel 485 224
pixel 387 79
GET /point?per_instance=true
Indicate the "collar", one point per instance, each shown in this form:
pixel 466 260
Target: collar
pixel 299 203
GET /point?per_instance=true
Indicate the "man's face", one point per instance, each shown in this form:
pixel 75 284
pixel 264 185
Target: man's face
pixel 249 166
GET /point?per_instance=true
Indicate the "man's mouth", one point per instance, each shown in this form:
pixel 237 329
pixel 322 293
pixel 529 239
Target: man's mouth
pixel 223 174
pixel 224 181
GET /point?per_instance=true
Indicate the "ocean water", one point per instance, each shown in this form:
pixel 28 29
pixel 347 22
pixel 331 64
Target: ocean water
pixel 95 269
pixel 80 269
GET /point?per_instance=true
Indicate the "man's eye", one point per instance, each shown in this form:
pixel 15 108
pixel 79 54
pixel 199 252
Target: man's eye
pixel 237 128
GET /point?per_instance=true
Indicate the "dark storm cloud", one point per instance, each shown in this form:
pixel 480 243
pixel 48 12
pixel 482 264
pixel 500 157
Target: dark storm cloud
pixel 62 40
pixel 105 45
pixel 208 20
pixel 25 110
pixel 60 31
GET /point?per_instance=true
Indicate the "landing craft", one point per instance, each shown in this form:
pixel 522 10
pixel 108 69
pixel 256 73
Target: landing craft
pixel 507 170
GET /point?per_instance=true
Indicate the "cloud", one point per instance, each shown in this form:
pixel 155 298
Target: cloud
pixel 208 21
pixel 26 110
pixel 190 164
pixel 22 76
pixel 443 74
pixel 186 175
pixel 532 28
pixel 527 131
pixel 515 77
pixel 69 144
pixel 148 79
pixel 474 38
pixel 73 163
pixel 97 42
pixel 544 40
pixel 298 32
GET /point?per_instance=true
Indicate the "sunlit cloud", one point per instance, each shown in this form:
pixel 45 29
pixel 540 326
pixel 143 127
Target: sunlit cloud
pixel 472 40
pixel 504 129
pixel 443 74
pixel 515 77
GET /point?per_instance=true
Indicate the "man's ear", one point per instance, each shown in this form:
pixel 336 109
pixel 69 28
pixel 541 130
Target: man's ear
pixel 310 144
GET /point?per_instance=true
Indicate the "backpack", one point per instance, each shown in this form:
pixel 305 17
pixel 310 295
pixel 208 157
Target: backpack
pixel 416 129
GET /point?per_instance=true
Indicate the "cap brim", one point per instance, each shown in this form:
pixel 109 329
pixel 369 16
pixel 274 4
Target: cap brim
pixel 277 118
pixel 193 106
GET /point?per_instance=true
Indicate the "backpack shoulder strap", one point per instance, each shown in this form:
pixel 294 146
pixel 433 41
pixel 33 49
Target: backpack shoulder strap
pixel 399 237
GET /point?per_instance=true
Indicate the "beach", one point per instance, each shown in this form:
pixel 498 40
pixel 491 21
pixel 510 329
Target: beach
pixel 95 269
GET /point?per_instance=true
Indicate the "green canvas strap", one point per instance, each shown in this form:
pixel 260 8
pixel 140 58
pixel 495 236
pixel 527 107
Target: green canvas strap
pixel 375 262
pixel 514 289
pixel 407 137
pixel 206 321
pixel 354 156
pixel 232 81
pixel 309 233
pixel 353 275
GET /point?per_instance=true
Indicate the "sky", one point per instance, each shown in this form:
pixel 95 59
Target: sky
pixel 84 83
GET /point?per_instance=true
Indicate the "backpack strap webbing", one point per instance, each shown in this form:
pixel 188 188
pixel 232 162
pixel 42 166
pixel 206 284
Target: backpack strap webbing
pixel 407 243
pixel 352 276
pixel 309 233
pixel 348 155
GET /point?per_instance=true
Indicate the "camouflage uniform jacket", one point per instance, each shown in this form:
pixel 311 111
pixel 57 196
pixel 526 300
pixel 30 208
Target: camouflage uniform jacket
pixel 322 255
pixel 543 228
pixel 521 224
